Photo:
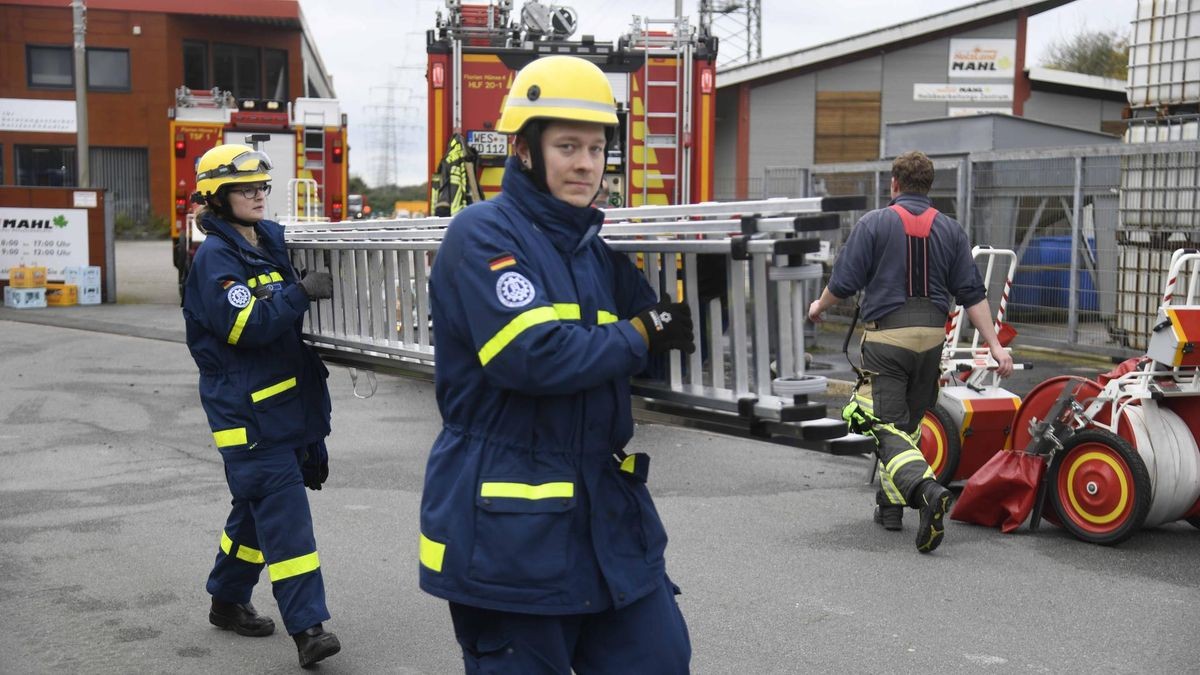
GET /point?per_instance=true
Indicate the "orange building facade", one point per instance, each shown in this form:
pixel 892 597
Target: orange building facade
pixel 138 53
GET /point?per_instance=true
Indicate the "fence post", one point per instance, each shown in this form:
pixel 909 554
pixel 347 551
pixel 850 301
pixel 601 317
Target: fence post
pixel 966 176
pixel 1073 283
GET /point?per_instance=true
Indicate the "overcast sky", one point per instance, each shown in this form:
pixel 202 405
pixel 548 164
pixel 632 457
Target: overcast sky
pixel 375 49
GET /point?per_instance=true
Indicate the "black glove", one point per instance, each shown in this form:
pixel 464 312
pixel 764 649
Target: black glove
pixel 314 465
pixel 667 325
pixel 317 285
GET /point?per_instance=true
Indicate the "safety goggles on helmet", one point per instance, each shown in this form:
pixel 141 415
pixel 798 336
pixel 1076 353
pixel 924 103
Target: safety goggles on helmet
pixel 254 161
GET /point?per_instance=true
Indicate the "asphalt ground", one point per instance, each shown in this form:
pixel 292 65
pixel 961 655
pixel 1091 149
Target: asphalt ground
pixel 112 499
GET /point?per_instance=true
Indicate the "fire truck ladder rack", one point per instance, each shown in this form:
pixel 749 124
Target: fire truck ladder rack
pixel 676 44
pixel 379 315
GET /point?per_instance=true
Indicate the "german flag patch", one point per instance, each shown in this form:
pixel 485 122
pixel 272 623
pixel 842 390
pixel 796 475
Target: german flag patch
pixel 501 261
pixel 227 283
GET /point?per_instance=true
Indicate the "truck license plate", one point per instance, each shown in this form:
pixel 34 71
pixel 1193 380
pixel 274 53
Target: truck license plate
pixel 488 143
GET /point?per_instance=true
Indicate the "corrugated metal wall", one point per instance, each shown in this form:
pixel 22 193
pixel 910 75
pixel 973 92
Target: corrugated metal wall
pixel 125 173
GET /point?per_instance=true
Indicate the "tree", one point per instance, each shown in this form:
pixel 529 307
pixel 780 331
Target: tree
pixel 1101 53
pixel 357 186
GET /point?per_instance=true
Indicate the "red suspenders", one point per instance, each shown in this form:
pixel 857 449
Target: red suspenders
pixel 917 230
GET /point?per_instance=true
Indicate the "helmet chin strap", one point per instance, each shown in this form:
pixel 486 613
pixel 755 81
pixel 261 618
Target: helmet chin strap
pixel 532 133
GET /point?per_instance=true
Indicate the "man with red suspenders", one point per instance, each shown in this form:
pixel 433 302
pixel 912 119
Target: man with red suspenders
pixel 912 264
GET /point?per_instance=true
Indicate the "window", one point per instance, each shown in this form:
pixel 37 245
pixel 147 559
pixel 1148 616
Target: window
pixel 248 72
pixel 195 65
pixel 45 165
pixel 276 74
pixel 237 69
pixel 108 69
pixel 50 67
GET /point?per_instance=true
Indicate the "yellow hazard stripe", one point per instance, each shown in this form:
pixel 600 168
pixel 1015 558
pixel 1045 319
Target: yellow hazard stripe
pixel 432 553
pixel 559 490
pixel 273 389
pixel 250 555
pixel 239 323
pixel 567 311
pixel 252 282
pixel 518 325
pixel 603 317
pixel 628 464
pixel 276 276
pixel 227 437
pixel 287 569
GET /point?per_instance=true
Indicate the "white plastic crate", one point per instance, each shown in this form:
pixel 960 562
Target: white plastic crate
pixel 83 275
pixel 24 298
pixel 89 294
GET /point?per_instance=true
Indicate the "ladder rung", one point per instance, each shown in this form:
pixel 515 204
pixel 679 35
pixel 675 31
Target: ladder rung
pixel 314 164
pixel 662 83
pixel 661 114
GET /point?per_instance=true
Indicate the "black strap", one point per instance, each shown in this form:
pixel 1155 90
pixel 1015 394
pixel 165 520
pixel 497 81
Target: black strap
pixel 846 346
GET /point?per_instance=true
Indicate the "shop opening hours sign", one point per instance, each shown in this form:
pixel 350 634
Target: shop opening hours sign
pixel 51 238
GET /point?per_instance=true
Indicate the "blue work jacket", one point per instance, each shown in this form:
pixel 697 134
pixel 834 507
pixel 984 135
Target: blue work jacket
pixel 260 385
pixel 525 508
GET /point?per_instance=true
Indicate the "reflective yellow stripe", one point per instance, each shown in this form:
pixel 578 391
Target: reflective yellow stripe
pixel 235 333
pixel 252 282
pixel 293 567
pixel 603 317
pixel 432 553
pixel 250 555
pixel 628 464
pixel 527 491
pixel 889 488
pixel 903 459
pixel 567 311
pixel 276 276
pixel 264 279
pixel 228 437
pixel 514 328
pixel 273 389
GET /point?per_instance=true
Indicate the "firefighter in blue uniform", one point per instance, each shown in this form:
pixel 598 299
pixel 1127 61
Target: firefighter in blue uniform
pixel 535 525
pixel 911 262
pixel 264 393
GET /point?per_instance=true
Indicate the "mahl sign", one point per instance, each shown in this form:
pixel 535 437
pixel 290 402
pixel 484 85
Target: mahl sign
pixel 983 58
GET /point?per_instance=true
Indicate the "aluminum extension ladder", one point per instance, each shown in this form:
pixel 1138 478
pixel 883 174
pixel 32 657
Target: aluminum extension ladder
pixel 748 374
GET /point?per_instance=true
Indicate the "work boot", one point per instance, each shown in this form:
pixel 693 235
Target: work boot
pixel 890 516
pixel 241 619
pixel 935 501
pixel 314 644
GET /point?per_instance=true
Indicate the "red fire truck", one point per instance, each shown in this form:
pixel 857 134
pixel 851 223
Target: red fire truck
pixel 663 76
pixel 305 139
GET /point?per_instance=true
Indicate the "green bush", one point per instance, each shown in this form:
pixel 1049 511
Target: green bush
pixel 152 227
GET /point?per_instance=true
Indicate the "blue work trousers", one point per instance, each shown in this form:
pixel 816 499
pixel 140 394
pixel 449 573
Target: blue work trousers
pixel 648 637
pixel 270 526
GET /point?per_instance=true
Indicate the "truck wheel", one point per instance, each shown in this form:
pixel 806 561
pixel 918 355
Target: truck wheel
pixel 1100 487
pixel 940 443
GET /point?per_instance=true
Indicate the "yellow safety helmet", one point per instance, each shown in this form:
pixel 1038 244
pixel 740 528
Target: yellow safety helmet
pixel 559 88
pixel 230 164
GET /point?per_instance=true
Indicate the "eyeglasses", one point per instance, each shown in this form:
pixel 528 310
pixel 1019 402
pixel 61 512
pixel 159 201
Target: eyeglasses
pixel 251 191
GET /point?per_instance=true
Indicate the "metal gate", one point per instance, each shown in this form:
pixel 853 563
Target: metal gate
pixel 124 173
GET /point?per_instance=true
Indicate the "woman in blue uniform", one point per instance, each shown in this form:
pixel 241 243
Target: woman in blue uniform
pixel 535 525
pixel 264 393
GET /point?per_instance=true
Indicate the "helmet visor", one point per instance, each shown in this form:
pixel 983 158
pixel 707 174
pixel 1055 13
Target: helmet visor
pixel 247 162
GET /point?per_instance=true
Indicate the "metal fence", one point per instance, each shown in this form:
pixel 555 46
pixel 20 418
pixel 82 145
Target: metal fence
pixel 1093 228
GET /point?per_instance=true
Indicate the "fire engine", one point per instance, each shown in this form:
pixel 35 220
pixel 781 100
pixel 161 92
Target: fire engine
pixel 306 141
pixel 663 76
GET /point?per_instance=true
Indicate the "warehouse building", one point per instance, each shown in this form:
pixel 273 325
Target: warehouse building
pixel 832 102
